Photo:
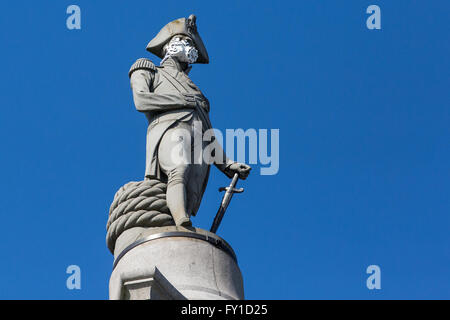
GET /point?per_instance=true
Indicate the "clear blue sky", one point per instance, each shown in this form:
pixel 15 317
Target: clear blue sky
pixel 364 141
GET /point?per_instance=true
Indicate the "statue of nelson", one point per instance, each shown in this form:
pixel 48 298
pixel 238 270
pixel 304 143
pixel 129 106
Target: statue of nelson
pixel 173 105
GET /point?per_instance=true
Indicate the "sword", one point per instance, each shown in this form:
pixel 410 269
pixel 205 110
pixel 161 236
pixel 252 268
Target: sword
pixel 229 191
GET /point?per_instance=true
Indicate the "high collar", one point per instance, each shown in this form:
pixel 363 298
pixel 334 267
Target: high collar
pixel 173 63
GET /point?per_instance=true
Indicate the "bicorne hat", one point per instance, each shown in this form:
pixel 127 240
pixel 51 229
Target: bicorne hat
pixel 182 26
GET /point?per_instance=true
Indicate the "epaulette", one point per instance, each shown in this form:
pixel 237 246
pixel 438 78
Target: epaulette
pixel 142 63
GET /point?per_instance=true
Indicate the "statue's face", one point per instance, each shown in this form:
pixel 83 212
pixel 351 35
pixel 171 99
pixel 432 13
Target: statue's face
pixel 182 48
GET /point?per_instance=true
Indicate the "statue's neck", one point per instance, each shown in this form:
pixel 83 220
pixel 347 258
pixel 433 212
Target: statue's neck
pixel 178 65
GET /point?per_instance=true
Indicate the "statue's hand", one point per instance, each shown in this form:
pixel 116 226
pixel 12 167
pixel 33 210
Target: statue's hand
pixel 240 168
pixel 193 100
pixel 190 100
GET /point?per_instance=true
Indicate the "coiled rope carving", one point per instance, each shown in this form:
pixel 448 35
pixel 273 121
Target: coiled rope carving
pixel 137 204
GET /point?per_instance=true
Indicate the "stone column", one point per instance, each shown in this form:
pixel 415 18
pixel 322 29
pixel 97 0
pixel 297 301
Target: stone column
pixel 174 263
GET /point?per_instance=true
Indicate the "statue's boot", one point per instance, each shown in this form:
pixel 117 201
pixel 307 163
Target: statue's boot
pixel 176 201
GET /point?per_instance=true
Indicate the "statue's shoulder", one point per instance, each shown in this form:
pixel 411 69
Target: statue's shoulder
pixel 142 63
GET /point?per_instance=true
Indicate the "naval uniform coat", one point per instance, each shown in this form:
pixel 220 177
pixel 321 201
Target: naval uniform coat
pixel 167 95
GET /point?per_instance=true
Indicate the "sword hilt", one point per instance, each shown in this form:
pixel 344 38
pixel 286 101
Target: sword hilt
pixel 233 190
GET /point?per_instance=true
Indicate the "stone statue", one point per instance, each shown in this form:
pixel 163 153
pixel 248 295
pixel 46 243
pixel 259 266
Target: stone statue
pixel 157 252
pixel 173 105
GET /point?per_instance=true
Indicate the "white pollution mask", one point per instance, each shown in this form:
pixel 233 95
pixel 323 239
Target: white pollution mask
pixel 182 49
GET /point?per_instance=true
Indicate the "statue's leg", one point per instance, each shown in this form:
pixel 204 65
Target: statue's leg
pixel 198 171
pixel 174 159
